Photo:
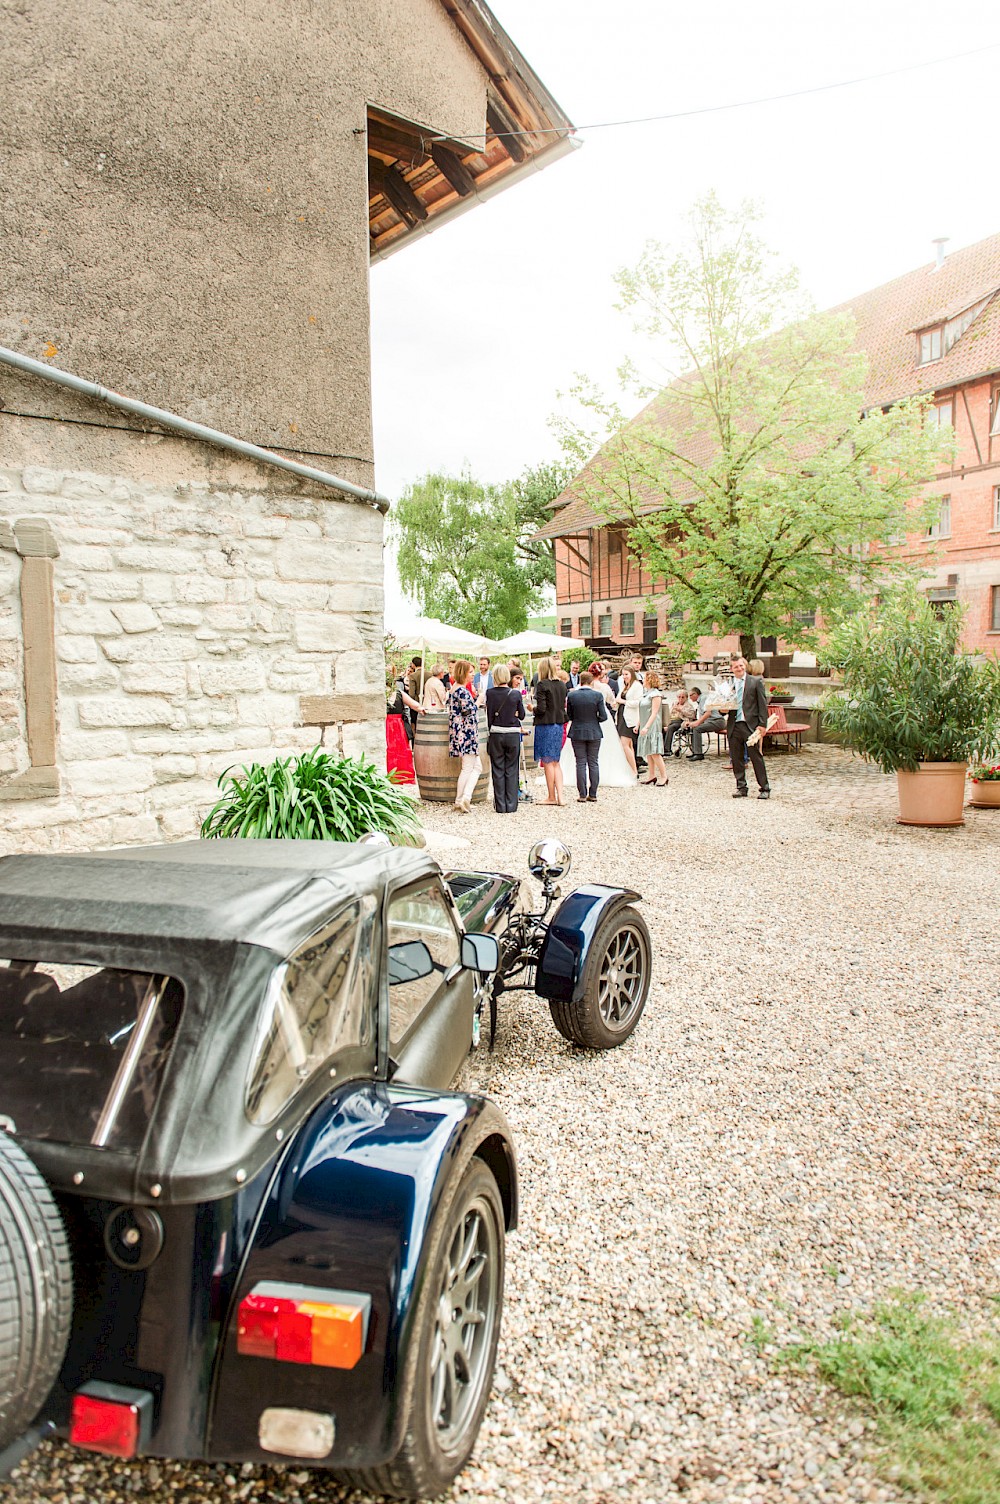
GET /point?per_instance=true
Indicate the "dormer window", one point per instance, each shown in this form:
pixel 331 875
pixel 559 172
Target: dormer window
pixel 929 345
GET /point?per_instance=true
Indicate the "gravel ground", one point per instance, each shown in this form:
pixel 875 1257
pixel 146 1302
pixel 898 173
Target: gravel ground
pixel 804 1120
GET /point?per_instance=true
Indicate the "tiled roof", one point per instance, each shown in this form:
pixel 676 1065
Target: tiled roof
pixel 887 320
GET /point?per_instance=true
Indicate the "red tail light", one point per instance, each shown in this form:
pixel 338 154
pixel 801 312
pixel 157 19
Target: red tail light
pixel 112 1419
pixel 300 1324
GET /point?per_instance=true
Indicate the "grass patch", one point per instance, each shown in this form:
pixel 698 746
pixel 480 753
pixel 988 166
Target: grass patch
pixel 935 1396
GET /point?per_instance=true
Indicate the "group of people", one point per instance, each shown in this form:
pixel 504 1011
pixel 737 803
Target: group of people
pixel 595 725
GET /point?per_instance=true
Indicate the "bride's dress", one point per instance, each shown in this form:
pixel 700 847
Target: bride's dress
pixel 611 761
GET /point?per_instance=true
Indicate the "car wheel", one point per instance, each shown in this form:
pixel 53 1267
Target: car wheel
pixel 36 1291
pixel 615 984
pixel 449 1369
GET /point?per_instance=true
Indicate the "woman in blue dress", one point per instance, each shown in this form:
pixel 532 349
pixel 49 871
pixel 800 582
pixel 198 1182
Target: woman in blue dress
pixel 463 733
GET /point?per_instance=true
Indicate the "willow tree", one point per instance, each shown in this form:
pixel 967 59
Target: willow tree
pixel 754 483
pixel 469 552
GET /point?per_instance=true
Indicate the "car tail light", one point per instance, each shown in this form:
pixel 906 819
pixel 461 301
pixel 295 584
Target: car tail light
pixel 302 1324
pixel 112 1419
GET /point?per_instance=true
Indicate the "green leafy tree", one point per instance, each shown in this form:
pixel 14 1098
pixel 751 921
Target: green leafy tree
pixel 752 483
pixel 468 552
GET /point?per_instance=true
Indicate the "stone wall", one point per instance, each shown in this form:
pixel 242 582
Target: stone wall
pixel 197 624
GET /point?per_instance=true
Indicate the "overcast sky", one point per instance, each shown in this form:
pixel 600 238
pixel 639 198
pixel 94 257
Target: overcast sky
pixel 477 327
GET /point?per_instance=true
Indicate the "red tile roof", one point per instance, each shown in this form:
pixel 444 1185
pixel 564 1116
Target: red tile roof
pixel 888 319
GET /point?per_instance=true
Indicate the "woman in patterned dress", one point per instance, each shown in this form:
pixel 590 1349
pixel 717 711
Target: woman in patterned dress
pixel 463 733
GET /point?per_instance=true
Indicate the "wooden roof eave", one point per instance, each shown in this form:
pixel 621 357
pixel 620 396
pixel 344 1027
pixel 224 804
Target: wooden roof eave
pixel 481 191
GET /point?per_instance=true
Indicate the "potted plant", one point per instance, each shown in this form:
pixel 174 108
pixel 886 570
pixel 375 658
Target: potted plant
pixel 986 777
pixel 913 702
pixel 778 696
pixel 313 797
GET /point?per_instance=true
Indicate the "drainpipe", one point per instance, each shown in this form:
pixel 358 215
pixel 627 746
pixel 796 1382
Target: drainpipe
pixel 190 429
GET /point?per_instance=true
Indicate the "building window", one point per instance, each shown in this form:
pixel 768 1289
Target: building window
pixel 995 406
pixel 928 346
pixel 996 509
pixel 628 624
pixel 942 414
pixel 942 601
pixel 604 625
pixel 995 608
pixel 942 527
pixel 615 540
pixel 566 626
pixel 804 618
pixel 583 627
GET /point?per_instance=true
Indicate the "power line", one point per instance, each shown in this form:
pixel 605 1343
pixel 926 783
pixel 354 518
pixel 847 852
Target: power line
pixel 736 104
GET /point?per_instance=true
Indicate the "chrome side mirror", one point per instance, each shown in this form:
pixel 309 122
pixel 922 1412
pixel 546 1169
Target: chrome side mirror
pixel 480 953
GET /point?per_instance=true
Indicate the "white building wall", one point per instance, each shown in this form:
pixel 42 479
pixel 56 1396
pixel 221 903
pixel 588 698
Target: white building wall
pixel 197 625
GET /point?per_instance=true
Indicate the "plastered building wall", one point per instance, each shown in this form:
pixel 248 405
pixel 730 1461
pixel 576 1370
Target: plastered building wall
pixel 184 211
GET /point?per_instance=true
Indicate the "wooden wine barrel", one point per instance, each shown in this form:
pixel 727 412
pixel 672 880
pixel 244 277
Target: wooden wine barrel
pixel 437 773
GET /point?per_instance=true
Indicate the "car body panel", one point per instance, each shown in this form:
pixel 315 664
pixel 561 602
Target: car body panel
pixel 561 961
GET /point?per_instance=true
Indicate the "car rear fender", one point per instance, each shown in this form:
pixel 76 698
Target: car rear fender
pixel 559 971
pixel 352 1210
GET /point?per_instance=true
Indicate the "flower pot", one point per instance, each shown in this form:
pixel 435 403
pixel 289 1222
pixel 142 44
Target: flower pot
pixel 985 795
pixel 780 699
pixel 934 795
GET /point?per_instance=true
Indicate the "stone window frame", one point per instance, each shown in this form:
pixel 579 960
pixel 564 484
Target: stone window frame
pixel 33 540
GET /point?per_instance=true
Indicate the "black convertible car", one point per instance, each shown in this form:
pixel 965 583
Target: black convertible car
pixel 242 1214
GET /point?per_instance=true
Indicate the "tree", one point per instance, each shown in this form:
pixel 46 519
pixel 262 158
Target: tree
pixel 467 552
pixel 753 483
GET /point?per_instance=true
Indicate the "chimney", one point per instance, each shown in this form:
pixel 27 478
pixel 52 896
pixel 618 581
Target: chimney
pixel 939 245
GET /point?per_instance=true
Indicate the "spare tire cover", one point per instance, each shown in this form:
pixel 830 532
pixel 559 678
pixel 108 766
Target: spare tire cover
pixel 36 1291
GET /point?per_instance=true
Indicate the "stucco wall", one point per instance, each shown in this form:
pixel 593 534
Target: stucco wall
pixel 206 613
pixel 183 199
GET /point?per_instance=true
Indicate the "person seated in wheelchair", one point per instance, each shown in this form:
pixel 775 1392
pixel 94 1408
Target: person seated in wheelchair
pixel 711 717
pixel 685 709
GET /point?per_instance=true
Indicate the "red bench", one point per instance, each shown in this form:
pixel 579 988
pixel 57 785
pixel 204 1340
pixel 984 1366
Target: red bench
pixel 791 732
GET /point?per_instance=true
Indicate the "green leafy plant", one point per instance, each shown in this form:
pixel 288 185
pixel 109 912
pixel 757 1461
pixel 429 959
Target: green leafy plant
pixel 985 773
pixel 910 694
pixel 935 1397
pixel 312 797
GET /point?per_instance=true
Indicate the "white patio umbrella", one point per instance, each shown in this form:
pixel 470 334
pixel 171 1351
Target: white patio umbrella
pixel 418 633
pixel 532 643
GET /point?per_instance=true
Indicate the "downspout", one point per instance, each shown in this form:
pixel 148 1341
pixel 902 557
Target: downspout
pixel 189 428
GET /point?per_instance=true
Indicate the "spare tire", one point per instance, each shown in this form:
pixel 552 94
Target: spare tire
pixel 36 1291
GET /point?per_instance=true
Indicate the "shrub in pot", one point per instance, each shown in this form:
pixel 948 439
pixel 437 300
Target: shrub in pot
pixel 312 797
pixel 913 702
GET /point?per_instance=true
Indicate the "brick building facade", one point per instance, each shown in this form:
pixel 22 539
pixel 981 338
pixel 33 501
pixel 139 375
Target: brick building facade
pixel 933 331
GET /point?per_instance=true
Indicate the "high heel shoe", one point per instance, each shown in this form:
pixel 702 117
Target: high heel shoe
pixel 662 785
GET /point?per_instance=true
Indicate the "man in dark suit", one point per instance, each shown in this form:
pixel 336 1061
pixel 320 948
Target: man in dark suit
pixel 585 710
pixel 574 675
pixel 750 712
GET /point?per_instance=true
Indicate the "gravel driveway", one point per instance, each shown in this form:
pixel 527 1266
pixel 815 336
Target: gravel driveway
pixel 805 1119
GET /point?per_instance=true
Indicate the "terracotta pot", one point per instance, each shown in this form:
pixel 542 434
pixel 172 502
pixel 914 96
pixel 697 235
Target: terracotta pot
pixel 985 795
pixel 934 795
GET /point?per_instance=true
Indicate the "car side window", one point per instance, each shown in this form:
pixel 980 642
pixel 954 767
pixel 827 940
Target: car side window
pixel 318 1003
pixel 420 914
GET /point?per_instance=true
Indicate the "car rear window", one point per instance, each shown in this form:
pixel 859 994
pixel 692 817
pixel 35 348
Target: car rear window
pixel 83 1050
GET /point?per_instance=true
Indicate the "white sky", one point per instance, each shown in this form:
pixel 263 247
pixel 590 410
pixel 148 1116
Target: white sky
pixel 477 327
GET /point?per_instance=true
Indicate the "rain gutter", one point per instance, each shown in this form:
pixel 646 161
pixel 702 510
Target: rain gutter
pixel 189 428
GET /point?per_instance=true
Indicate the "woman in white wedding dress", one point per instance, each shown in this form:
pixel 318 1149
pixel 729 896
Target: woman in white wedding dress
pixel 612 764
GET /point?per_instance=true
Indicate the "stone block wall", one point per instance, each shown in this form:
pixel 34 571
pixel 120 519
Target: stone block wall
pixel 196 625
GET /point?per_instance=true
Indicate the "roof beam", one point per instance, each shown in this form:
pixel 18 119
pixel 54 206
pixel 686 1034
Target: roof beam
pixel 402 198
pixel 453 168
pixel 502 124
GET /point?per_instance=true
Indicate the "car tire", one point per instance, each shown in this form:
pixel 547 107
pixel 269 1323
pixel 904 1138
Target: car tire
pixel 442 1410
pixel 36 1291
pixel 615 984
